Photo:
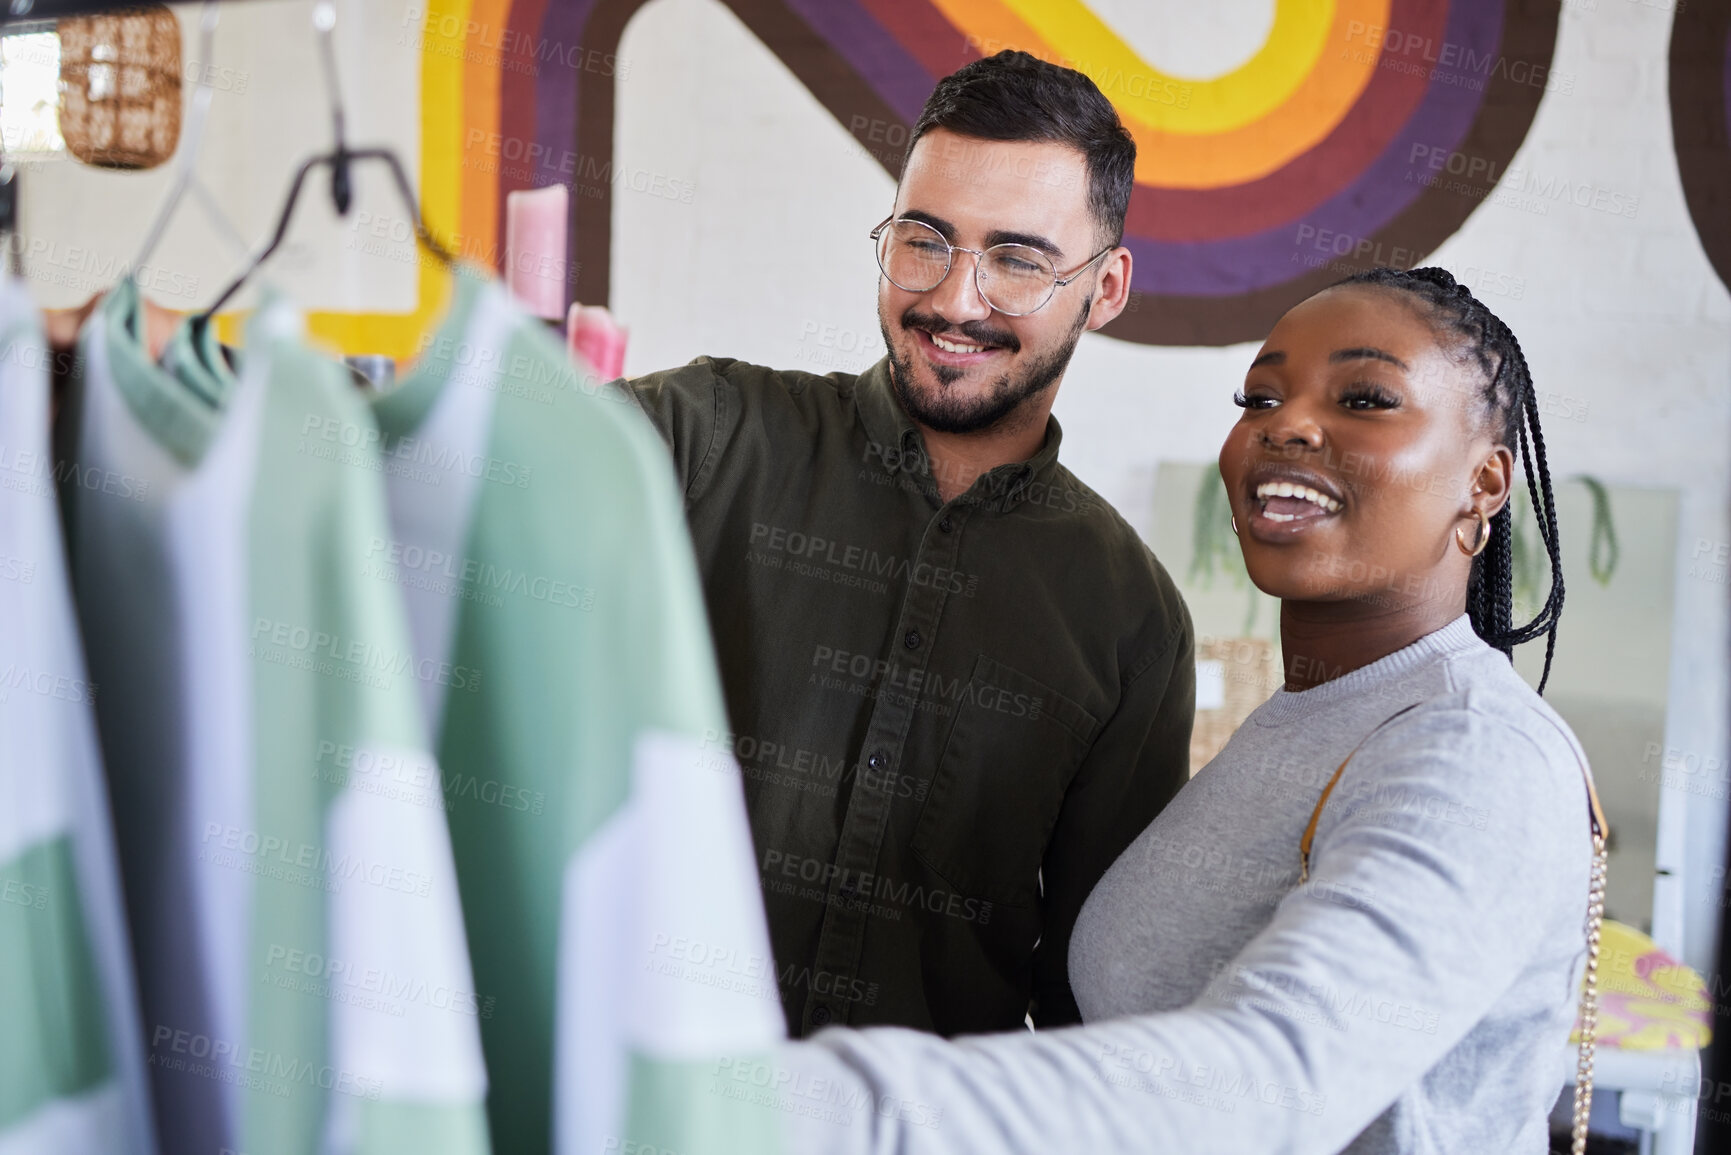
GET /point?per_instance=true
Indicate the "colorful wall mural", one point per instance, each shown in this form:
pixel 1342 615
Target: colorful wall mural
pixel 1701 123
pixel 1361 132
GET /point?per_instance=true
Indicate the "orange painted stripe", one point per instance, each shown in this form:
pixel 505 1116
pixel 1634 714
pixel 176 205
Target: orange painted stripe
pixel 1187 161
pixel 478 214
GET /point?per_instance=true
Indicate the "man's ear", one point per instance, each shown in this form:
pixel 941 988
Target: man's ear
pixel 1112 287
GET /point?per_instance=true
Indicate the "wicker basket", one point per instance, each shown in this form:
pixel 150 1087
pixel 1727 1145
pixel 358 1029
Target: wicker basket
pixel 120 87
pixel 1248 672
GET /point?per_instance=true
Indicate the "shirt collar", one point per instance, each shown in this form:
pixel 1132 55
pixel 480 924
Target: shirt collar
pixel 898 447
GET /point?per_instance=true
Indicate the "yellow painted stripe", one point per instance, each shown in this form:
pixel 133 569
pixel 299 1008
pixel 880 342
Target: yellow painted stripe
pixel 398 334
pixel 1183 160
pixel 1198 107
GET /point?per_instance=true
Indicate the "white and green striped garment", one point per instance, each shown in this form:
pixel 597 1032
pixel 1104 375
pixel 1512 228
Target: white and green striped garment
pixel 71 1063
pixel 603 851
pixel 304 981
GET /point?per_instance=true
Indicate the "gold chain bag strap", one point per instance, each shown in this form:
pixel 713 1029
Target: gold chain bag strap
pixel 1589 1012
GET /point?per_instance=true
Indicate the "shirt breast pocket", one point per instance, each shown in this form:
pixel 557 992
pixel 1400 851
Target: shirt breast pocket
pixel 1012 749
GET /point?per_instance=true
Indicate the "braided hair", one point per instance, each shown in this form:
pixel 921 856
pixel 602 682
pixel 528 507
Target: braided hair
pixel 1514 411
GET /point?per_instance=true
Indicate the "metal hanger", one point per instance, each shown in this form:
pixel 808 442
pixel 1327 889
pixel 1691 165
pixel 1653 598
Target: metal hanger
pixel 9 207
pixel 185 176
pixel 9 213
pixel 339 160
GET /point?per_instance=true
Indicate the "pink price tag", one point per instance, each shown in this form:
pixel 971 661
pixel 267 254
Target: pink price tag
pixel 597 339
pixel 535 223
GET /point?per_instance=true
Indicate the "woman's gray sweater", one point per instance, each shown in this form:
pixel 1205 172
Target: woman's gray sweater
pixel 1416 995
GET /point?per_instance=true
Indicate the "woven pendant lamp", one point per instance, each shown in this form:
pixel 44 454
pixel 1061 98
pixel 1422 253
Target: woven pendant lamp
pixel 120 87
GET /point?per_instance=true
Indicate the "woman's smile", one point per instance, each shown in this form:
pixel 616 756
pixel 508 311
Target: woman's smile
pixel 1286 501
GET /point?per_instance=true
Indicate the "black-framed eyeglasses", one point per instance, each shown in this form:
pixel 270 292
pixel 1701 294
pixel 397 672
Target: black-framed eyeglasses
pixel 1013 279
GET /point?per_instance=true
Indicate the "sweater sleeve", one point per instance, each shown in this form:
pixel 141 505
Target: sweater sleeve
pixel 1438 870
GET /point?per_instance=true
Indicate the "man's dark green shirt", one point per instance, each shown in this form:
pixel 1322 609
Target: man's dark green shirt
pixel 951 716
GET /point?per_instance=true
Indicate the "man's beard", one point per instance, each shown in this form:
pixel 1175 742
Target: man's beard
pixel 944 411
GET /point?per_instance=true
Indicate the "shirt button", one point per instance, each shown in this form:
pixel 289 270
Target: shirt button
pixel 912 639
pixel 946 525
pixel 819 1016
pixel 848 890
pixel 877 761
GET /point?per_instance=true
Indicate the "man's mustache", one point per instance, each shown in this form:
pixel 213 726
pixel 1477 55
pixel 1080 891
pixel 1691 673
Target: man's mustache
pixel 974 332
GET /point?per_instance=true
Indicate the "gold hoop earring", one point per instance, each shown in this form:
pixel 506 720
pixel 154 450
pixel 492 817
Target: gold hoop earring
pixel 1484 535
pixel 1234 525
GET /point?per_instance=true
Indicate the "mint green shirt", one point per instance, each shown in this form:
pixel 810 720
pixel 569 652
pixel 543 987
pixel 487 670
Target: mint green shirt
pixel 302 972
pixel 602 850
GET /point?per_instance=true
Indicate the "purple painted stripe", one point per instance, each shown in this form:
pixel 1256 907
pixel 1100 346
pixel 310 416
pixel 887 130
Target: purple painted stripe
pixel 1382 192
pixel 1725 75
pixel 556 92
pixel 876 55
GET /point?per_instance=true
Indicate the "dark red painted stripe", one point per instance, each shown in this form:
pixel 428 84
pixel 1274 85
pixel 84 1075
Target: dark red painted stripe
pixel 517 79
pixel 926 33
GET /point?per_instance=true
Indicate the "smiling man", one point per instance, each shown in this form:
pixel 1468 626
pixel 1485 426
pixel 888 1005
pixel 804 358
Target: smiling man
pixel 959 682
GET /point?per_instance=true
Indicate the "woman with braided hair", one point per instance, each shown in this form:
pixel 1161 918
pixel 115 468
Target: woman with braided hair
pixel 1508 398
pixel 1360 927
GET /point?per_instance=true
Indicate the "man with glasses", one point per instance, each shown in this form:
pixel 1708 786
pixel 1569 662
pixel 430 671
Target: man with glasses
pixel 959 682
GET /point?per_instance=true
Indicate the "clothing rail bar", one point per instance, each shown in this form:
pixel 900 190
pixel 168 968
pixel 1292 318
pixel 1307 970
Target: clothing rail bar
pixel 20 11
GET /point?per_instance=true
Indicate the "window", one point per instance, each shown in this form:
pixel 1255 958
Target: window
pixel 30 92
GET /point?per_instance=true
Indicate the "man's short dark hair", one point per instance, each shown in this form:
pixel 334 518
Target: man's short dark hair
pixel 1015 96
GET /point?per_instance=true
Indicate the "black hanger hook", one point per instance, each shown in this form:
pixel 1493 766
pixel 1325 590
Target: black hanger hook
pixel 342 183
pixel 340 161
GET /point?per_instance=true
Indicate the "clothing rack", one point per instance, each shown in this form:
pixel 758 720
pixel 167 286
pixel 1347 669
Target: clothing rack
pixel 33 11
